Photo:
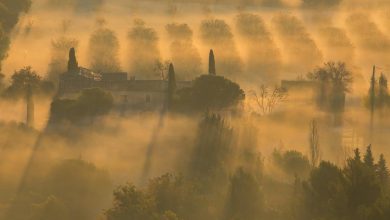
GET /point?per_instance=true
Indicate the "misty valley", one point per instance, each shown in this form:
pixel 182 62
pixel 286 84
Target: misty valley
pixel 194 109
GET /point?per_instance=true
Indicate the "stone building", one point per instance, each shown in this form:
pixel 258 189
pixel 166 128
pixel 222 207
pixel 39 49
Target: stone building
pixel 128 93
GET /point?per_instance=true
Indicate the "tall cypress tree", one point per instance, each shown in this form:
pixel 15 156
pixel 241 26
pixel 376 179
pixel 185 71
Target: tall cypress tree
pixel 212 70
pixel 73 66
pixel 368 158
pixel 382 170
pixel 171 85
pixel 372 102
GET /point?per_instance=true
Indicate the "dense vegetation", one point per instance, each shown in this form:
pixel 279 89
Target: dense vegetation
pixel 90 104
pixel 209 92
pixel 214 187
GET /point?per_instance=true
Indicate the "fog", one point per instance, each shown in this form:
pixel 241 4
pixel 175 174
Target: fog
pixel 257 44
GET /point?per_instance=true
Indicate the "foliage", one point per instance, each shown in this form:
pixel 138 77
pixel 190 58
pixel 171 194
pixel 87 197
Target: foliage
pixel 268 99
pixel 378 98
pixel 209 92
pixel 25 79
pixel 213 148
pixel 78 5
pixel 167 197
pixel 355 192
pixel 334 81
pixel 184 53
pixel 4 44
pixel 104 51
pixel 78 185
pixel 245 199
pixel 143 50
pixel 71 189
pixel 321 3
pixel 90 104
pixel 314 144
pixel 60 48
pixel 292 162
pixel 326 199
pixel 10 11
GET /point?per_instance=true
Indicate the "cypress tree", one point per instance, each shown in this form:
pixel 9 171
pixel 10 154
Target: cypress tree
pixel 73 66
pixel 212 70
pixel 171 85
pixel 356 155
pixel 368 158
pixel 372 102
pixel 382 170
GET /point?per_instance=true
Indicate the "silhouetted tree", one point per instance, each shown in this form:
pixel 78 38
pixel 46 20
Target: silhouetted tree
pixel 314 144
pixel 245 199
pixel 212 70
pixel 213 149
pixel 73 66
pixel 383 93
pixel 10 10
pixel 89 105
pixel 363 186
pixel 382 170
pixel 369 158
pixel 268 99
pixel 209 92
pixel 292 162
pixel 334 82
pixel 171 86
pixel 326 199
pixel 104 51
pixel 60 48
pixel 25 79
pixel 80 186
pixel 372 95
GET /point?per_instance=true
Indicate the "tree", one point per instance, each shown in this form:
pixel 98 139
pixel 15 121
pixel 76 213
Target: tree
pixel 81 186
pixel 130 203
pixel 368 157
pixel 213 149
pixel 167 197
pixel 363 186
pixel 60 49
pixel 161 68
pixel 371 98
pixel 382 170
pixel 321 3
pixel 326 199
pixel 314 144
pixel 104 51
pixel 212 70
pixel 292 163
pixel 245 199
pixel 209 92
pixel 10 10
pixel 334 82
pixel 268 99
pixel 90 104
pixel 383 93
pixel 73 66
pixel 171 85
pixel 25 84
pixel 4 44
